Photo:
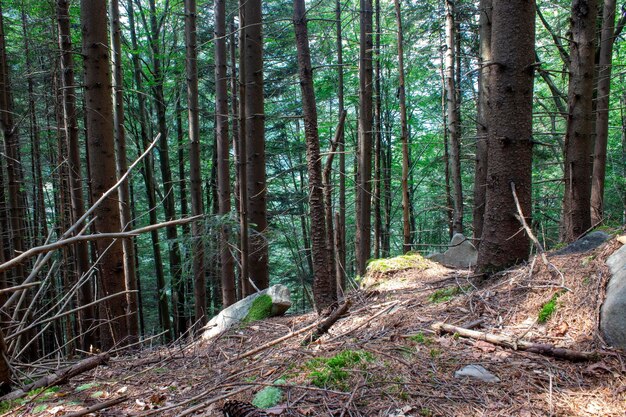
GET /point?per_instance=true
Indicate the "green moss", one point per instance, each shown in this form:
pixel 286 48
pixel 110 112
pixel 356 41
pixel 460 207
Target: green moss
pixel 333 372
pixel 267 397
pixel 421 339
pixel 548 309
pixel 446 294
pixel 260 309
pixel 406 261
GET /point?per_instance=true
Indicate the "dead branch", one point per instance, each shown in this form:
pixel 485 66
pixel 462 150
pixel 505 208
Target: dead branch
pixel 273 342
pixel 19 287
pixel 97 407
pixel 324 326
pixel 59 377
pixel 522 220
pixel 82 238
pixel 507 341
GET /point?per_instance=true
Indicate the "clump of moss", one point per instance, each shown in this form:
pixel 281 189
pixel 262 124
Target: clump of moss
pixel 260 309
pixel 421 339
pixel 269 396
pixel 548 309
pixel 333 372
pixel 446 294
pixel 406 261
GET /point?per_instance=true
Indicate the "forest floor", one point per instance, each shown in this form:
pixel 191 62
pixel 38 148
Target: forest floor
pixel 383 358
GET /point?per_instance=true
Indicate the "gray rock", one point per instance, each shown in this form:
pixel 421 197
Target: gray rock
pixel 460 254
pixel 613 313
pixel 233 315
pixel 585 243
pixel 476 372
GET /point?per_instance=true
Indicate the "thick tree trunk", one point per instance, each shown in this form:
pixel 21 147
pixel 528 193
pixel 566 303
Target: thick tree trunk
pixel 453 120
pixel 234 88
pixel 130 271
pixel 101 147
pixel 255 144
pixel 324 283
pixel 377 185
pixel 364 204
pixel 406 221
pixel 510 131
pixel 148 170
pixel 602 111
pixel 223 153
pixel 482 129
pixel 579 135
pixel 197 207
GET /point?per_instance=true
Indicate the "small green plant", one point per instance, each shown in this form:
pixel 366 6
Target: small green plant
pixel 426 412
pixel 434 353
pixel 267 397
pixel 421 339
pixel 548 309
pixel 332 372
pixel 446 294
pixel 260 309
pixel 85 387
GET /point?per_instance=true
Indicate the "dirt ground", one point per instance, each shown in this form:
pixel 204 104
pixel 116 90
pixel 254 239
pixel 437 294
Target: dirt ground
pixel 403 367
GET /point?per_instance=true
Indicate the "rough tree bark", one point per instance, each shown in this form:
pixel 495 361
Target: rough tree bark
pixel 364 185
pixel 223 154
pixel 602 111
pixel 341 226
pixel 101 148
pixel 324 284
pixel 510 130
pixel 482 129
pixel 453 121
pixel 579 134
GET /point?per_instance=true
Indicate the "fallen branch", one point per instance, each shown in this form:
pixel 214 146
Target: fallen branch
pixel 97 407
pixel 507 341
pixel 522 220
pixel 273 342
pixel 59 377
pixel 324 326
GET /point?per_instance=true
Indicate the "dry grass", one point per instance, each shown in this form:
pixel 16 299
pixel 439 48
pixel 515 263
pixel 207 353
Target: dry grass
pixel 411 371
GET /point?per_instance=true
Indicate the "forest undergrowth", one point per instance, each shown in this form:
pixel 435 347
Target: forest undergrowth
pixel 383 357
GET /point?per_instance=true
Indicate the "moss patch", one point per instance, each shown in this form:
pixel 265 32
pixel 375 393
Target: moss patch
pixel 446 294
pixel 334 372
pixel 548 309
pixel 260 309
pixel 399 263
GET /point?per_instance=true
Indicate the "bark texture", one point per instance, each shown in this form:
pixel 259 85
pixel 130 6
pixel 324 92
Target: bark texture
pixel 576 218
pixel 509 137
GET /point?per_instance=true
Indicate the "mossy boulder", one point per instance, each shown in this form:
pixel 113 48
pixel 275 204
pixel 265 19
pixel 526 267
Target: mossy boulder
pixel 274 301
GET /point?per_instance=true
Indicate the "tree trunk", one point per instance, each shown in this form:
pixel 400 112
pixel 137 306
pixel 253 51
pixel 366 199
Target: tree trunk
pixel 602 116
pixel 341 226
pixel 482 129
pixel 223 153
pixel 130 271
pixel 166 174
pixel 509 118
pixel 324 284
pixel 101 147
pixel 579 134
pixel 378 139
pixel 148 171
pixel 453 120
pixel 197 207
pixel 364 206
pixel 255 144
pixel 406 221
pixel 234 88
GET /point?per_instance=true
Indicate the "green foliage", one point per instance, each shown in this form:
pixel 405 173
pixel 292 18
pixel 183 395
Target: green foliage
pixel 333 372
pixel 260 309
pixel 86 386
pixel 421 339
pixel 398 263
pixel 446 294
pixel 548 309
pixel 269 396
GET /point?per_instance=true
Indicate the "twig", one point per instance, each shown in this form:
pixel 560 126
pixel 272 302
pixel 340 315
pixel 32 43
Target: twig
pixel 19 287
pixel 97 407
pixel 522 220
pixel 506 341
pixel 383 311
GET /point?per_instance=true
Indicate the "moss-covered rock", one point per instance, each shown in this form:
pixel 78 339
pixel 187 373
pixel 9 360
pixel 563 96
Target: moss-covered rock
pixel 260 309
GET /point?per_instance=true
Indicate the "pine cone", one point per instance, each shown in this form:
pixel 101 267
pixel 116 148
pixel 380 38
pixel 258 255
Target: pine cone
pixel 234 408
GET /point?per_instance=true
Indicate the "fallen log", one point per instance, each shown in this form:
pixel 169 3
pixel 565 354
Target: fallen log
pixel 509 342
pixel 59 377
pixel 324 326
